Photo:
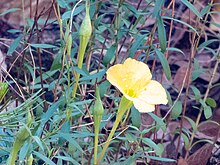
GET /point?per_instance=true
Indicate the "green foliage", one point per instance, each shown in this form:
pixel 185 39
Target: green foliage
pixel 65 110
pixel 177 110
pixel 14 45
pixel 164 63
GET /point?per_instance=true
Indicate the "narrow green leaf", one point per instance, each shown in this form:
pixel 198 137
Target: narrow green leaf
pixel 57 63
pixel 44 46
pixel 110 54
pixel 211 102
pixel 161 34
pixel 157 7
pixel 206 43
pixel 14 31
pixel 186 141
pixel 78 10
pixel 215 24
pixel 44 158
pixel 207 109
pixel 68 159
pixel 104 87
pixel 205 10
pixel 23 151
pixel 93 76
pixel 159 121
pixel 192 8
pixel 177 110
pixel 136 45
pixel 135 117
pixel 14 45
pixel 62 3
pixel 175 49
pixel 151 144
pixel 196 73
pixel 9 11
pixel 196 93
pixel 164 63
pixel 71 140
pixel 160 159
pixel 192 123
pixel 37 139
pixel 130 137
pixel 184 23
pixel 207 112
pixel 170 102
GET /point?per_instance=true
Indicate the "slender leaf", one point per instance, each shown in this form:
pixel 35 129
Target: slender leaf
pixel 68 159
pixel 164 63
pixel 186 141
pixel 14 45
pixel 161 34
pixel 196 93
pixel 109 55
pixel 192 8
pixel 160 159
pixel 153 145
pixel 207 109
pixel 184 23
pixel 206 43
pixel 44 46
pixel 135 117
pixel 159 121
pixel 192 123
pixel 44 158
pixel 9 11
pixel 157 7
pixel 177 110
pixel 136 45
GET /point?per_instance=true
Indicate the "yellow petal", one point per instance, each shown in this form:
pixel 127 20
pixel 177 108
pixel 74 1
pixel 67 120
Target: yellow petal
pixel 130 78
pixel 154 93
pixel 142 106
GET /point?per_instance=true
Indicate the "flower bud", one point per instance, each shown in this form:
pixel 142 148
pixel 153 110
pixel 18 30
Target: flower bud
pixel 98 108
pixel 30 160
pixel 86 27
pixel 22 135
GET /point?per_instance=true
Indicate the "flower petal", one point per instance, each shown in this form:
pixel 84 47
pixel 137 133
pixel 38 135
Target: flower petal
pixel 142 106
pixel 130 78
pixel 114 76
pixel 154 93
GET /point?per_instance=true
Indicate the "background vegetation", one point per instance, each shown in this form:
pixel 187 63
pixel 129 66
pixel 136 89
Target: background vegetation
pixel 178 39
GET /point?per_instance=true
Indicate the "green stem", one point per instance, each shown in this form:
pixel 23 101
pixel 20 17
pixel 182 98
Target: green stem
pixel 97 121
pixel 30 160
pixel 84 33
pixel 124 105
pixel 16 147
pixel 82 49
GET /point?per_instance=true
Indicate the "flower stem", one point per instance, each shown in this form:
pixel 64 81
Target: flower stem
pixel 123 106
pixel 84 36
pixel 97 121
pixel 21 136
pixel 13 155
pixel 97 116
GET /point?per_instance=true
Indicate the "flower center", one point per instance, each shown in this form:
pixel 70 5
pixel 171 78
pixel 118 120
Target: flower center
pixel 131 92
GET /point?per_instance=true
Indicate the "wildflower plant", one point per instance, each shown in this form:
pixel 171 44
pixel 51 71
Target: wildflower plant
pixel 68 112
pixel 133 79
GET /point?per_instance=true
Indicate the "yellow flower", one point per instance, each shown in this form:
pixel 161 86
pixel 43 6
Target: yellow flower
pixel 133 79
